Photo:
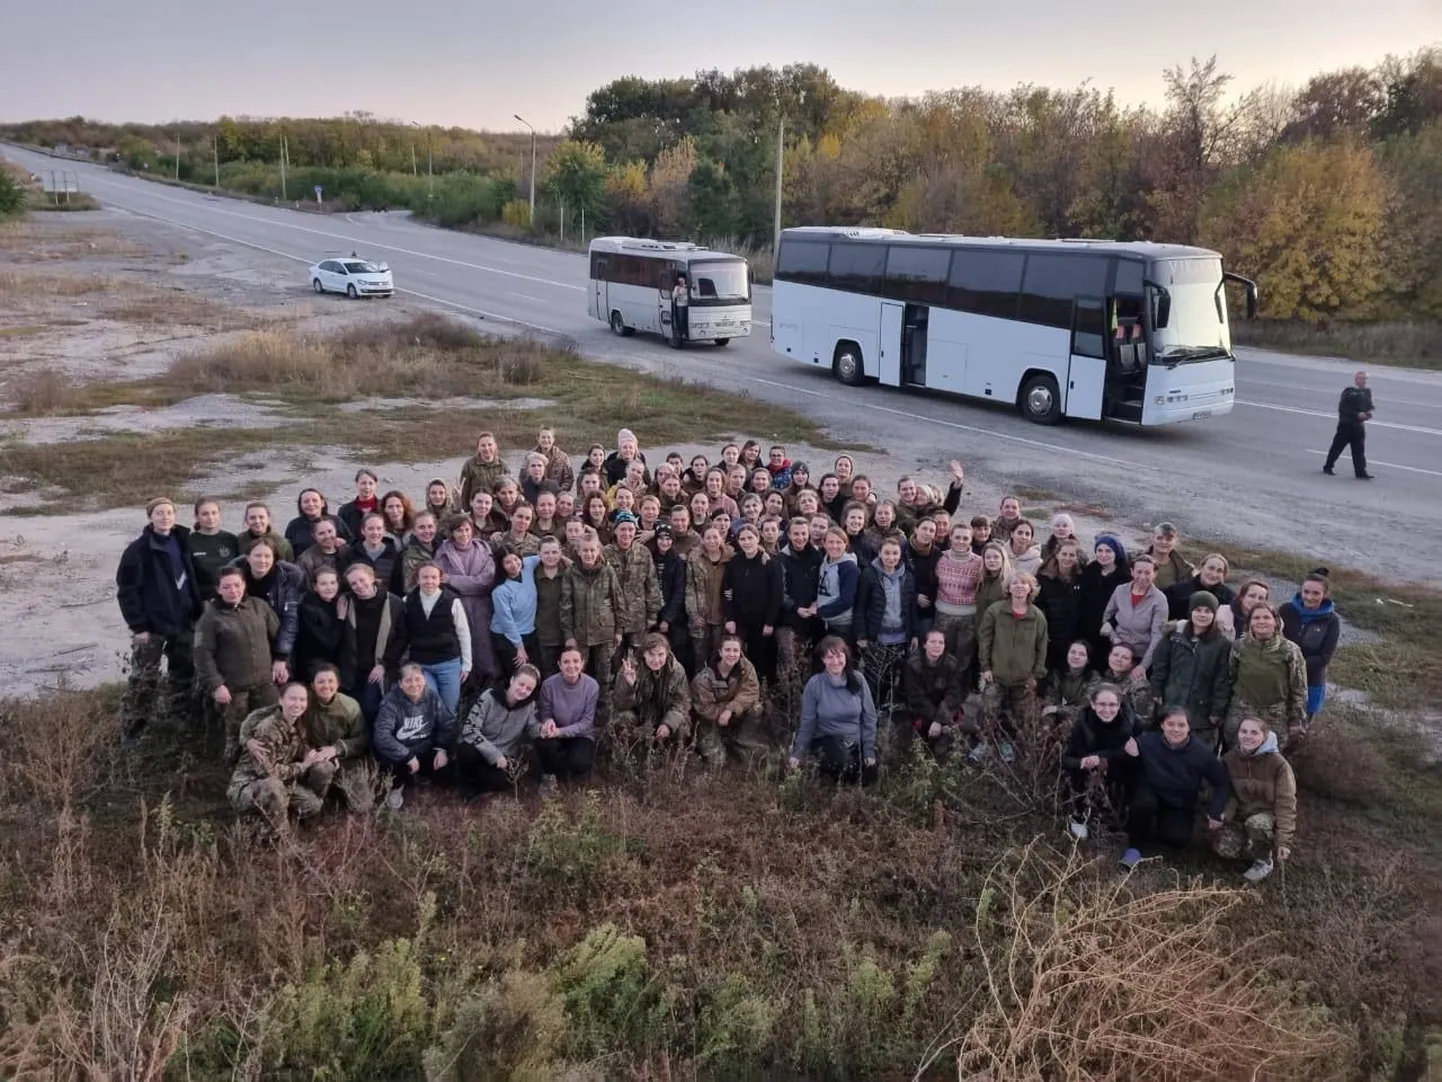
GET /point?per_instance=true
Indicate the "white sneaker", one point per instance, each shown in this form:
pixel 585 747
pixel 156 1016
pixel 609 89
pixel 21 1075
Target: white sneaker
pixel 1259 870
pixel 1078 829
pixel 395 798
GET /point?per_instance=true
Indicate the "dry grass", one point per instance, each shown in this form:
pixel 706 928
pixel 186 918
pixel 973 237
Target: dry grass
pixel 797 932
pixel 425 358
pixel 18 288
pixel 122 470
pixel 1087 978
pixel 1413 343
pixel 41 392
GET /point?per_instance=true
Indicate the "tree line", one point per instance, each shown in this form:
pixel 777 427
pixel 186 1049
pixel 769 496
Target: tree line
pixel 1330 194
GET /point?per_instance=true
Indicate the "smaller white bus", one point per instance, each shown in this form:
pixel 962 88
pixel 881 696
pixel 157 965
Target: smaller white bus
pixel 631 281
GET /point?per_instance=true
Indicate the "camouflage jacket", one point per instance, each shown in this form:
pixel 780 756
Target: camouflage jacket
pixel 591 605
pixel 635 569
pixel 285 747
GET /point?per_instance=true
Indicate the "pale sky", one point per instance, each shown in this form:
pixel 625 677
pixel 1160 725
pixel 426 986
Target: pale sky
pixel 475 64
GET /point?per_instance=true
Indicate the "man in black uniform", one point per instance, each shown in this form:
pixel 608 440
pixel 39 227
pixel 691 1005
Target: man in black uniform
pixel 1354 410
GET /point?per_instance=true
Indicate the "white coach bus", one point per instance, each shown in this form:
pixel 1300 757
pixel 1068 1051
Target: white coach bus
pixel 631 282
pixel 1102 330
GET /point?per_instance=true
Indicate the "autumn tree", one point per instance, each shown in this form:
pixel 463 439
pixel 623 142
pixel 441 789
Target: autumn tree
pixel 576 175
pixel 1309 223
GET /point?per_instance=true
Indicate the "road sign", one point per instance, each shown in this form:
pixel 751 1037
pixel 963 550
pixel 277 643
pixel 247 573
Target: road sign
pixel 318 189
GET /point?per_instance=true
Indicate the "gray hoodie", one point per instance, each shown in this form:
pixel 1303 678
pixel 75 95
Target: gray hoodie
pixel 832 709
pixel 498 730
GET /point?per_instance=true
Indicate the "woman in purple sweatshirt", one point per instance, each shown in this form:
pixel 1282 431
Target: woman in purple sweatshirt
pixel 566 747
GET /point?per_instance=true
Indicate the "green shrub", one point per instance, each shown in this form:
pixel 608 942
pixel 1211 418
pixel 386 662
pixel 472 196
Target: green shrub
pixel 369 1017
pixel 611 1000
pixel 512 1031
pixel 12 195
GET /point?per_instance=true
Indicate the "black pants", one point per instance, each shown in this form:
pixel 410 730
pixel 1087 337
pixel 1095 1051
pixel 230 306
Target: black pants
pixel 567 756
pixel 401 774
pixel 681 321
pixel 474 771
pixel 1149 817
pixel 506 653
pixel 840 760
pixel 1354 433
pixel 760 649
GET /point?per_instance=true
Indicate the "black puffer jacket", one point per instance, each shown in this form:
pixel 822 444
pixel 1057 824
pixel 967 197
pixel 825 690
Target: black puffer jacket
pixel 1061 601
pixel 322 637
pixel 283 590
pixel 798 584
pixel 151 597
pixel 751 590
pixel 1091 736
pixel 671 577
pixel 871 602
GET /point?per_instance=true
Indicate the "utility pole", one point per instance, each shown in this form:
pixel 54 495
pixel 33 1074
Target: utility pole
pixel 781 168
pixel 283 196
pixel 413 158
pixel 533 164
pixel 780 174
pixel 177 157
pixel 430 169
pixel 215 144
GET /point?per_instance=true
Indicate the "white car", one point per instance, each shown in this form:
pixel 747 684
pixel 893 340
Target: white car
pixel 353 276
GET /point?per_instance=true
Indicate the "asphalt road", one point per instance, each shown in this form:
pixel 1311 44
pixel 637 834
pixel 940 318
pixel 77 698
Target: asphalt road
pixel 1251 477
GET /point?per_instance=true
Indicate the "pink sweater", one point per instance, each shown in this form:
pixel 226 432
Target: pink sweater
pixel 956 583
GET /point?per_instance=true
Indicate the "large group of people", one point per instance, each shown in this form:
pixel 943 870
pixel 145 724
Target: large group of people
pixel 499 629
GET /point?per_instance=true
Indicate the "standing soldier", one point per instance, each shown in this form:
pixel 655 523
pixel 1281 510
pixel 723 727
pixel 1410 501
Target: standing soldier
pixel 640 598
pixel 160 601
pixel 1354 410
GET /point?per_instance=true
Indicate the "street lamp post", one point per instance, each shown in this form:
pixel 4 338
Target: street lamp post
pixel 533 165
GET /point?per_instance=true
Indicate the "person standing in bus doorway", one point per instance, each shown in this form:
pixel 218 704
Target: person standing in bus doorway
pixel 680 310
pixel 1354 410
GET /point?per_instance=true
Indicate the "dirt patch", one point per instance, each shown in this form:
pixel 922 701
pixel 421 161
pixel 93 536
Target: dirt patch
pixel 203 411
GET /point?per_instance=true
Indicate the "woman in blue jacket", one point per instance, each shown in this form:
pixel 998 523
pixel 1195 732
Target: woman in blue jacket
pixel 1311 621
pixel 513 613
pixel 837 579
pixel 1169 768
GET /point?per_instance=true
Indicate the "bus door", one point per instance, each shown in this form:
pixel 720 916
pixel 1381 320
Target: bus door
pixel 889 344
pixel 1126 382
pixel 599 292
pixel 913 345
pixel 1087 370
pixel 666 272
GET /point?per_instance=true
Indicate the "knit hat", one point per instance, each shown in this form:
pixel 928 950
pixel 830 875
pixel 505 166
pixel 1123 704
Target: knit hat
pixel 1112 543
pixel 156 501
pixel 624 435
pixel 1203 599
pixel 801 467
pixel 661 530
pixel 620 518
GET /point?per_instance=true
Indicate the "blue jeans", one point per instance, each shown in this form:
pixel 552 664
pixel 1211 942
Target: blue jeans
pixel 444 678
pixel 1316 696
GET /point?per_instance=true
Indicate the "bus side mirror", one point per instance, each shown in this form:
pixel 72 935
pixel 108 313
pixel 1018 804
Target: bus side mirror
pixel 1251 288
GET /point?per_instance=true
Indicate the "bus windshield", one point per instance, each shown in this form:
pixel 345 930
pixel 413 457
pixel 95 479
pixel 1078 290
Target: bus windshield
pixel 721 282
pixel 1197 328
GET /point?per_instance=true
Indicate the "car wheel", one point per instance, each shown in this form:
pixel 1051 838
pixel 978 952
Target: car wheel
pixel 315 285
pixel 618 325
pixel 723 341
pixel 1040 400
pixel 846 364
pixel 351 292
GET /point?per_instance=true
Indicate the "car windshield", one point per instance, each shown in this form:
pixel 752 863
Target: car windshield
pixel 361 268
pixel 719 281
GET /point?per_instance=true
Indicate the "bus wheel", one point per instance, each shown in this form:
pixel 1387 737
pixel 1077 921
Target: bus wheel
pixel 619 328
pixel 1040 400
pixel 722 341
pixel 846 364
